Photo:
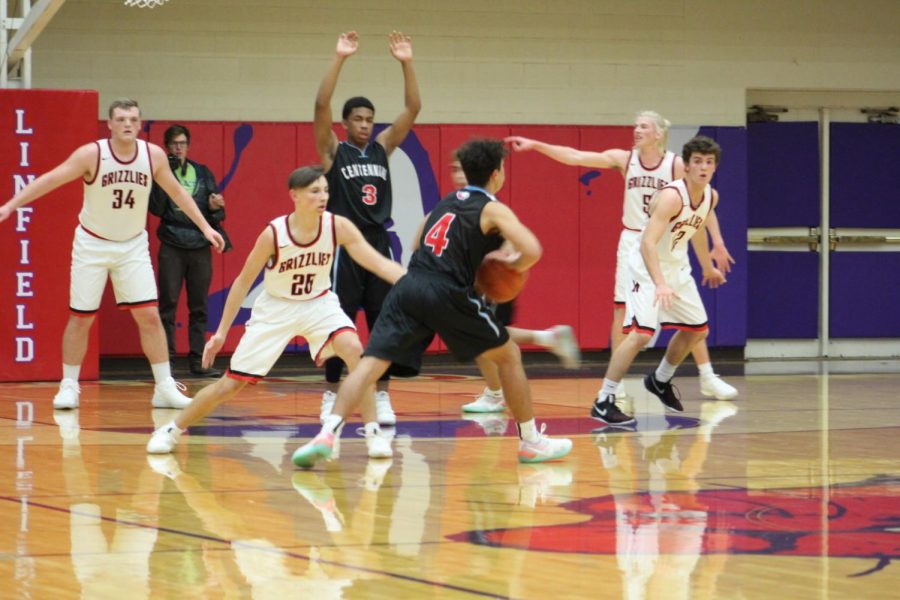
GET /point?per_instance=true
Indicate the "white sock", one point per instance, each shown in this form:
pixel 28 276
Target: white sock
pixel 498 394
pixel 332 423
pixel 161 371
pixel 665 371
pixel 528 431
pixel 609 389
pixel 71 371
pixel 705 370
pixel 545 338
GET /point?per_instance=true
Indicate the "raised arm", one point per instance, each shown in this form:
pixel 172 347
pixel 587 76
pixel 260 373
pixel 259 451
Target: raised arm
pixel 614 158
pixel 393 136
pixel 80 163
pixel 664 206
pixel 162 175
pixel 499 217
pixel 262 251
pixel 326 141
pixel 352 240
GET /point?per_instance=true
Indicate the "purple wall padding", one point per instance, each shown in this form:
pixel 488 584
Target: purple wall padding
pixel 864 175
pixel 864 294
pixel 782 295
pixel 783 168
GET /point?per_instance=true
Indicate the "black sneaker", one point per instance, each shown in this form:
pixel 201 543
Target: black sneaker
pixel 666 392
pixel 607 412
pixel 199 371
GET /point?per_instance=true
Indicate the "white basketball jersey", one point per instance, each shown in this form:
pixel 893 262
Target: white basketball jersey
pixel 301 271
pixel 673 245
pixel 115 200
pixel 641 182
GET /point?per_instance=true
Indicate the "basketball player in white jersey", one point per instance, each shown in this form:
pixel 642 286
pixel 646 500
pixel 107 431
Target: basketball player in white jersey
pixel 297 252
pixel 647 167
pixel 663 293
pixel 111 241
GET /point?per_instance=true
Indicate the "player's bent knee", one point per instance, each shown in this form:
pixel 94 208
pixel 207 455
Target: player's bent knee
pixel 348 347
pixel 508 352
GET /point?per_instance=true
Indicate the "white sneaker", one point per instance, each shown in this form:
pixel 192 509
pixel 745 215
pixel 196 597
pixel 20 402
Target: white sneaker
pixel 544 449
pixel 167 394
pixel 378 442
pixel 67 396
pixel 163 440
pixel 383 411
pixel 486 403
pixel 565 346
pixel 328 398
pixel 714 386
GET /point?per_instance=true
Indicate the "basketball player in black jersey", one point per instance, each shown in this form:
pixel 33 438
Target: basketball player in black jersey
pixel 360 184
pixel 437 296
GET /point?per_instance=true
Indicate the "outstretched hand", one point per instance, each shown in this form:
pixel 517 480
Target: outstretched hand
pixel 713 278
pixel 722 258
pixel 347 44
pixel 401 46
pixel 520 144
pixel 212 347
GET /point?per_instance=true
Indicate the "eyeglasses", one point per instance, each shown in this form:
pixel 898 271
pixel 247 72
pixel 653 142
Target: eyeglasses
pixel 184 144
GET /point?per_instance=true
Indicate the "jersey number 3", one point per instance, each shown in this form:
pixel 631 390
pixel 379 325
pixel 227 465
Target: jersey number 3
pixel 370 194
pixel 436 238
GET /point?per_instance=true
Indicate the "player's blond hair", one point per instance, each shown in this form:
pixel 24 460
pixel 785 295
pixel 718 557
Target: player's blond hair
pixel 662 125
pixel 124 104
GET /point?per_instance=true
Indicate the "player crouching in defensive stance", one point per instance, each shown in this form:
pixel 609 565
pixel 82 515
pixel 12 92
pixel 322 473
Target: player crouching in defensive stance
pixel 662 288
pixel 437 296
pixel 297 251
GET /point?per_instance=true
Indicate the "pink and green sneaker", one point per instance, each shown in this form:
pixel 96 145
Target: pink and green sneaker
pixel 316 449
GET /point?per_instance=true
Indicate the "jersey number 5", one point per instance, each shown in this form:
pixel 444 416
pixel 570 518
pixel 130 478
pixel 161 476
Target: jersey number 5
pixel 436 238
pixel 370 194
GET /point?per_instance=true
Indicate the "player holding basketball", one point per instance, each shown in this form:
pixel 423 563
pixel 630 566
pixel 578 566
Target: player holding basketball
pixel 559 339
pixel 297 251
pixel 437 296
pixel 360 183
pixel 647 167
pixel 662 290
pixel 111 242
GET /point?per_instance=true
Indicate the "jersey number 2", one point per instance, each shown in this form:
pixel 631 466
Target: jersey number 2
pixel 370 194
pixel 436 238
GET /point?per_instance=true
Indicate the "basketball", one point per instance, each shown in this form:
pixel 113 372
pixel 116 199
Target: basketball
pixel 497 281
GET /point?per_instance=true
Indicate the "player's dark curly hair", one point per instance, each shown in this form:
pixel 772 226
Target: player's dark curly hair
pixel 304 176
pixel 479 158
pixel 356 102
pixel 701 144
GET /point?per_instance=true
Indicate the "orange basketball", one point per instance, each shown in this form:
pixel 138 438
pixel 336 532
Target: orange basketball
pixel 498 281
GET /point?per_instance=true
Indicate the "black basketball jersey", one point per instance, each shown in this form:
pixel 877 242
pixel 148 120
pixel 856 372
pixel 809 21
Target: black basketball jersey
pixel 359 184
pixel 452 242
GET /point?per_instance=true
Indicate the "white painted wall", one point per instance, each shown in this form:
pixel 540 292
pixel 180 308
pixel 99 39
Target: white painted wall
pixel 508 61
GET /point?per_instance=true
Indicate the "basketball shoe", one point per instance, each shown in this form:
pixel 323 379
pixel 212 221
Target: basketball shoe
pixel 487 402
pixel 314 450
pixel 167 394
pixel 67 396
pixel 544 448
pixel 383 410
pixel 712 385
pixel 565 346
pixel 378 441
pixel 666 392
pixel 164 439
pixel 328 398
pixel 607 412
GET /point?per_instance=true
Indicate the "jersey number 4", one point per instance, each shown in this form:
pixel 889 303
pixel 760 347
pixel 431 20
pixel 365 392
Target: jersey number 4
pixel 436 238
pixel 119 200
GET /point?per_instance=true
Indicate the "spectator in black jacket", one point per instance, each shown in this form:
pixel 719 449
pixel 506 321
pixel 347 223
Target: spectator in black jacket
pixel 184 254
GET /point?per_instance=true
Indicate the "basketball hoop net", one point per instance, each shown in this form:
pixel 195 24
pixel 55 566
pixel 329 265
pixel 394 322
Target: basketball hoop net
pixel 145 3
